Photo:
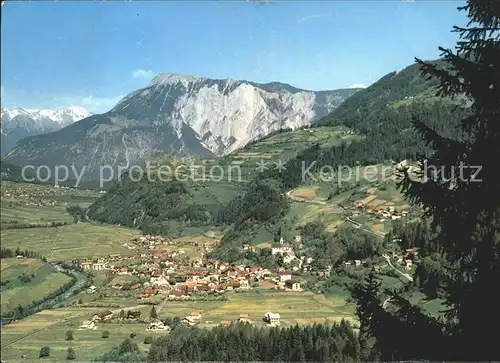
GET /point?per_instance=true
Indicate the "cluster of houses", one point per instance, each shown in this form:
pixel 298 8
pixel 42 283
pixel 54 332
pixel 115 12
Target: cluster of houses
pixel 382 213
pixel 273 319
pixel 40 195
pixel 406 259
pixel 285 250
pixel 194 318
pixel 217 279
pixel 179 276
pixel 151 242
pixel 91 324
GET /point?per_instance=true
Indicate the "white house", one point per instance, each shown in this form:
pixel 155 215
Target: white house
pixel 281 248
pixel 195 315
pixel 157 325
pixel 272 318
pixel 284 276
pixel 87 325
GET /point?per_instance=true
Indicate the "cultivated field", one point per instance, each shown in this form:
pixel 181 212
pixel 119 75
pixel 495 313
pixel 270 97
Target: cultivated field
pixel 44 279
pixel 294 307
pixel 40 204
pixel 15 211
pixel 26 337
pixel 48 328
pixel 69 242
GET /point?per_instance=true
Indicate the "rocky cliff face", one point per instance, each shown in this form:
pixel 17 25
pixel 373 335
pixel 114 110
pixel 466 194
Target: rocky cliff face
pixel 227 114
pixel 181 115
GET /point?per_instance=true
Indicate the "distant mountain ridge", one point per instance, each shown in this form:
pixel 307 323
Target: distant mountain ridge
pixel 18 123
pixel 181 115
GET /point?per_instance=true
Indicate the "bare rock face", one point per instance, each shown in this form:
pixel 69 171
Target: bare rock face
pixel 181 115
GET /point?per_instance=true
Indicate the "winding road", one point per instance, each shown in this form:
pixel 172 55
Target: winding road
pixel 389 262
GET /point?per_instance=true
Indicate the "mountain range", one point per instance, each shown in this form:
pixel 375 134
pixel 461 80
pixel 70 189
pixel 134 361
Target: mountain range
pixel 18 123
pixel 181 115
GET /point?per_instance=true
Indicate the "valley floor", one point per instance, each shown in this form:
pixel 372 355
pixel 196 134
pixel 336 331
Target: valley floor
pixel 23 339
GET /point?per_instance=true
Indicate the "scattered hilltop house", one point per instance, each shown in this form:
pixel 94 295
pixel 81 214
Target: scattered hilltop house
pixel 293 285
pixel 103 315
pixel 358 204
pixel 225 323
pixel 158 325
pixel 87 325
pixel 272 318
pixel 281 248
pixel 244 318
pixel 91 289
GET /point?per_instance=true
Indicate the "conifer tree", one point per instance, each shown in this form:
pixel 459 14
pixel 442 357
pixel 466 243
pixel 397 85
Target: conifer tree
pixel 153 315
pixel 459 189
pixel 463 198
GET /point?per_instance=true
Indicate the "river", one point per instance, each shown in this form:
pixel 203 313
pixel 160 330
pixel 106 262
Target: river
pixel 81 281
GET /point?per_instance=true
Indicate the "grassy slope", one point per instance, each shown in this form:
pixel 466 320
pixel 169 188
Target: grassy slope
pixel 45 281
pixel 70 242
pixel 49 328
pixel 301 308
pixel 40 204
pixel 285 145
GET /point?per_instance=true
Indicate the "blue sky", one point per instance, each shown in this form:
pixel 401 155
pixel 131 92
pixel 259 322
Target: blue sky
pixel 57 54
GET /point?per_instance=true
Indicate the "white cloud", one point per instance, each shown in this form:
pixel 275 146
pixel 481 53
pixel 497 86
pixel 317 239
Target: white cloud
pixel 313 16
pixel 91 103
pixel 357 85
pixel 143 73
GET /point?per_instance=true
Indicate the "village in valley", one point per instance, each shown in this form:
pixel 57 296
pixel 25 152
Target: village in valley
pixel 171 274
pixel 146 285
pixel 159 271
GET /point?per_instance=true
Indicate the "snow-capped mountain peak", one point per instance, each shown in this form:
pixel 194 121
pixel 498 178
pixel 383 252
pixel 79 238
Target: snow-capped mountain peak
pixel 17 123
pixel 64 116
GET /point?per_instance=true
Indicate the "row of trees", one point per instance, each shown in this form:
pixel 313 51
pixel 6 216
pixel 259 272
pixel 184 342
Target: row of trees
pixel 17 225
pixel 8 253
pixel 244 342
